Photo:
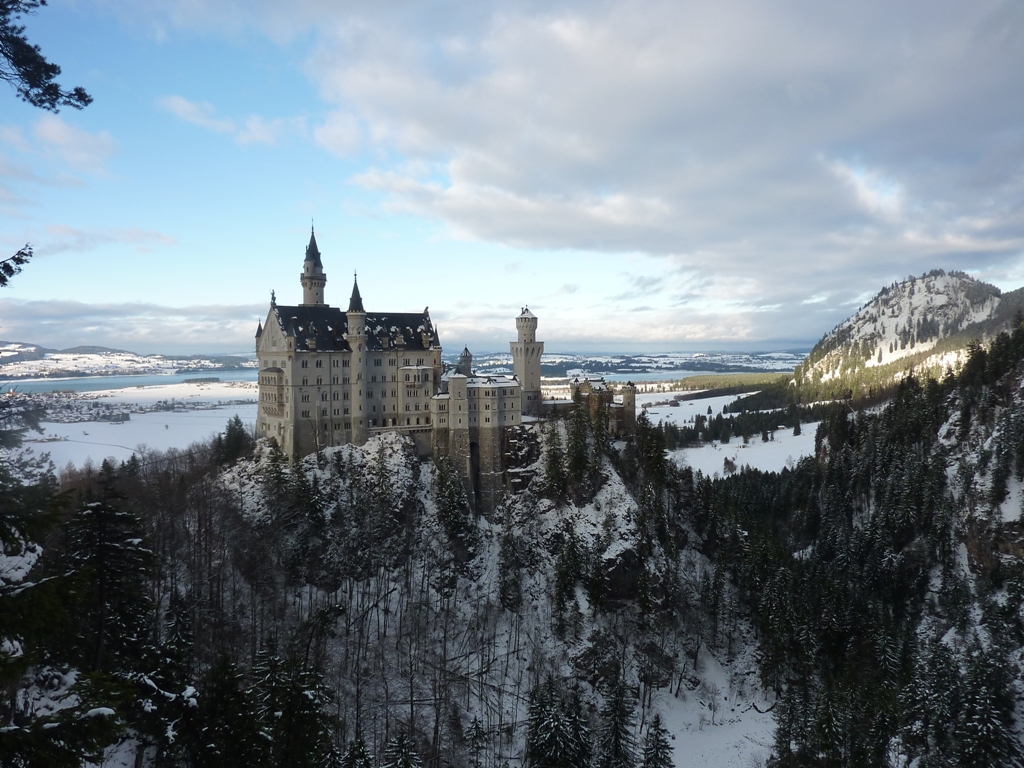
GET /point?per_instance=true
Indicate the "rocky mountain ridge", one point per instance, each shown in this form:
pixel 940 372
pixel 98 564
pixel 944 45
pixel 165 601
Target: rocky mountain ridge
pixel 921 323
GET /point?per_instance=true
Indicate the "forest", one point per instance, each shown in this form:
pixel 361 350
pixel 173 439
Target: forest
pixel 227 606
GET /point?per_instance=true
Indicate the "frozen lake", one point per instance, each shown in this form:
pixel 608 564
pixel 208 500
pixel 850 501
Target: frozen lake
pixel 211 405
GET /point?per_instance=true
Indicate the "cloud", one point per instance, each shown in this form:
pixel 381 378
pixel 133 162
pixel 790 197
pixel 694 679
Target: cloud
pixel 62 238
pixel 80 149
pixel 254 130
pixel 774 152
pixel 143 328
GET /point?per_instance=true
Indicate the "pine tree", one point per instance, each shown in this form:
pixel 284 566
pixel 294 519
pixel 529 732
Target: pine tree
pixel 554 467
pixel 477 738
pixel 400 752
pixel 454 513
pixel 356 755
pixel 657 749
pixel 226 732
pixel 111 610
pixel 617 745
pixel 557 734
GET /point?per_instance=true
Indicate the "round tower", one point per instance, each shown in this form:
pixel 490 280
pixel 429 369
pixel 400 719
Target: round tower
pixel 629 406
pixel 465 366
pixel 313 278
pixel 526 353
pixel 356 338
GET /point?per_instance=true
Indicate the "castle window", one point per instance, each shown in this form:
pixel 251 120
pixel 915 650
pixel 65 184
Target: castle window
pixel 419 361
pixel 337 412
pixel 417 419
pixel 346 413
pixel 406 422
pixel 405 361
pixel 394 377
pixel 305 363
pixel 408 407
pixel 487 407
pixel 334 363
pixel 487 419
pixel 345 380
pixel 305 381
pixel 305 397
pixel 393 361
pixel 319 380
pixel 323 396
pixel 346 396
pixel 377 362
pixel 369 393
pixel 407 377
pixel 417 406
pixel 348 425
pixel 335 395
pixel 373 379
pixel 346 363
pixel 319 363
pixel 337 425
pixel 305 414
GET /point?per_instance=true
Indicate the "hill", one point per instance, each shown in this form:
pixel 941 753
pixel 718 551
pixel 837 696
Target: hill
pixel 922 324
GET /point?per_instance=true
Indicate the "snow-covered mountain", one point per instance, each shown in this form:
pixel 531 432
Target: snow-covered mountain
pixel 928 319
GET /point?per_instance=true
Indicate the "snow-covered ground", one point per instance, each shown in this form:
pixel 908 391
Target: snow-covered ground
pixel 783 450
pixel 207 412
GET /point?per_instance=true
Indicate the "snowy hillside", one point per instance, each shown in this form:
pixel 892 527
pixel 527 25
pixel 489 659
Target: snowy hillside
pixel 908 320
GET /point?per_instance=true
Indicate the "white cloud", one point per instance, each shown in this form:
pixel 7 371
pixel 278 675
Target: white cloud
pixel 61 238
pixel 80 149
pixel 775 152
pixel 142 328
pixel 254 129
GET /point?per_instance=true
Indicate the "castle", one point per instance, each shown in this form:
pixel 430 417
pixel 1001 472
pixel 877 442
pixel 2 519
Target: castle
pixel 331 377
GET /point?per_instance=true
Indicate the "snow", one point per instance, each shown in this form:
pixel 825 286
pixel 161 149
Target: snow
pixel 1012 505
pixel 155 431
pixel 784 451
pixel 15 567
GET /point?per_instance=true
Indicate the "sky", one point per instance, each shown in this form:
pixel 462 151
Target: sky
pixel 644 175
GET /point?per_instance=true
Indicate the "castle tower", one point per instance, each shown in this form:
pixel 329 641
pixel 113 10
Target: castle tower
pixel 312 278
pixel 629 406
pixel 356 338
pixel 526 354
pixel 465 366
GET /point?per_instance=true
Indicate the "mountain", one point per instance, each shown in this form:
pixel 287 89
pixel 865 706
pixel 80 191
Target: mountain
pixel 922 323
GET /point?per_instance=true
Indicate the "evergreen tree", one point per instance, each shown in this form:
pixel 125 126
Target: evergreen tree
pixel 400 752
pixel 226 733
pixel 356 755
pixel 657 749
pixel 554 466
pixel 557 733
pixel 110 607
pixel 454 512
pixel 617 745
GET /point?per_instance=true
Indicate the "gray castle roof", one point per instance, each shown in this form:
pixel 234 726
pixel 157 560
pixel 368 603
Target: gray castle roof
pixel 327 326
pixel 312 252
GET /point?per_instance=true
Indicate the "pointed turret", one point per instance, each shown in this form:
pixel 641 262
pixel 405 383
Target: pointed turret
pixel 355 304
pixel 259 328
pixel 313 278
pixel 312 252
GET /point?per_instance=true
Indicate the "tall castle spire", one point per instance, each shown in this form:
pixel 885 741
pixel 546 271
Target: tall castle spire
pixel 313 278
pixel 355 304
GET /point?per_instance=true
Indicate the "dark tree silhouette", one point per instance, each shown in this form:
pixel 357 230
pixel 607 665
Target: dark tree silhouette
pixel 24 66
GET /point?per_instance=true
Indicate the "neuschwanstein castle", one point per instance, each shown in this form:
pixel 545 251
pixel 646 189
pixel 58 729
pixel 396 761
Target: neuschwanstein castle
pixel 331 377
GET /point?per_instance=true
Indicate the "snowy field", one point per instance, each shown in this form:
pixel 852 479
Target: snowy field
pixel 772 456
pixel 209 411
